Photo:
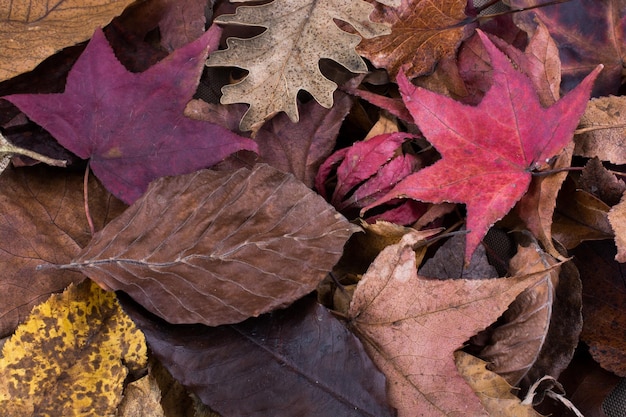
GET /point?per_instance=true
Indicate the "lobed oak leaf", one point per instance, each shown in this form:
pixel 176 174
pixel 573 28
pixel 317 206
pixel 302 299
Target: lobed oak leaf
pixel 218 247
pixel 42 224
pixel 300 361
pixel 132 126
pixel 71 357
pixel 422 33
pixel 32 30
pixel 488 151
pixel 411 325
pixel 285 58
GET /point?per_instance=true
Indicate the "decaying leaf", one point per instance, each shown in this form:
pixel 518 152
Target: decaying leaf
pixel 218 247
pixel 32 30
pixel 602 129
pixel 423 32
pixel 104 106
pixel 284 59
pixel 141 399
pixel 411 325
pixel 604 297
pixel 538 333
pixel 493 390
pixel 617 218
pixel 599 181
pixel 296 362
pixel 504 122
pixel 43 222
pixel 71 357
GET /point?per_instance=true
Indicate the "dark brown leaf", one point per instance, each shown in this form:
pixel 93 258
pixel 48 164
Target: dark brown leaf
pixel 295 362
pixel 604 298
pixel 218 247
pixel 43 222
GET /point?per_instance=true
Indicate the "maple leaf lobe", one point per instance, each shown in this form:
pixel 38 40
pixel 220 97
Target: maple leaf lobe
pixel 488 150
pixel 131 125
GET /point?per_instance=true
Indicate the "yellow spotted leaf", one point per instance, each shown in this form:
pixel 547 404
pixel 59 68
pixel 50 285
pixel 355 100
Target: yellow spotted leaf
pixel 32 30
pixel 71 356
pixel 285 58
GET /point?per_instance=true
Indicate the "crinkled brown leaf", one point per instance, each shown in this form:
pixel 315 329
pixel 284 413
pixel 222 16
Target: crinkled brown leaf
pixel 602 129
pixel 296 362
pixel 411 326
pixel 617 218
pixel 218 247
pixel 538 333
pixel 43 222
pixel 423 32
pixel 493 390
pixel 284 59
pixel 597 180
pixel 32 30
pixel 604 298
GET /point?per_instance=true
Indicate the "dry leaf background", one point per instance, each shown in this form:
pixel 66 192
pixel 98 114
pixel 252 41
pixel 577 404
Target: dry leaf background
pixel 248 140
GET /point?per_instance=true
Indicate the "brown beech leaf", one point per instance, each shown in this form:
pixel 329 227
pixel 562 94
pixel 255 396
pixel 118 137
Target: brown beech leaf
pixel 411 325
pixel 300 361
pixel 617 218
pixel 218 247
pixel 32 30
pixel 43 222
pixel 493 390
pixel 604 298
pixel 602 129
pixel 538 333
pixel 422 33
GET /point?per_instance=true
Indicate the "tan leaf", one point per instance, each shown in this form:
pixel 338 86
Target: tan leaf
pixel 602 129
pixel 32 30
pixel 411 326
pixel 493 390
pixel 71 357
pixel 423 32
pixel 617 218
pixel 285 58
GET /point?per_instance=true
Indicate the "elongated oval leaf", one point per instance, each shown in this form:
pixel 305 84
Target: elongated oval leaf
pixel 300 361
pixel 218 247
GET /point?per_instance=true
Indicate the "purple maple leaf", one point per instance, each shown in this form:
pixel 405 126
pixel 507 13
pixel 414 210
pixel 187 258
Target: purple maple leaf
pixel 132 125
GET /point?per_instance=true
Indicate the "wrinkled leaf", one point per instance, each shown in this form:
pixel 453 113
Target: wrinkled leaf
pixel 617 218
pixel 602 130
pixel 284 59
pixel 604 297
pixel 597 180
pixel 422 33
pixel 104 106
pixel 411 326
pixel 493 390
pixel 298 361
pixel 538 333
pixel 218 247
pixel 71 357
pixel 505 120
pixel 43 222
pixel 32 30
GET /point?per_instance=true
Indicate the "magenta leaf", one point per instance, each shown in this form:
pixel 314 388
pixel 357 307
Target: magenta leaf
pixel 130 125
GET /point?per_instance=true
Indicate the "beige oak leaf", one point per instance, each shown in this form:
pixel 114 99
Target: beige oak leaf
pixel 284 59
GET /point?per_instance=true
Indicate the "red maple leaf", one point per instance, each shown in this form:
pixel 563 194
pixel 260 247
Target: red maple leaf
pixel 488 151
pixel 132 125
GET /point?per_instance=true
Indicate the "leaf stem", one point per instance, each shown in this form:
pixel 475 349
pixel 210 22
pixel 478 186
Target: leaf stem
pixel 7 148
pixel 92 229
